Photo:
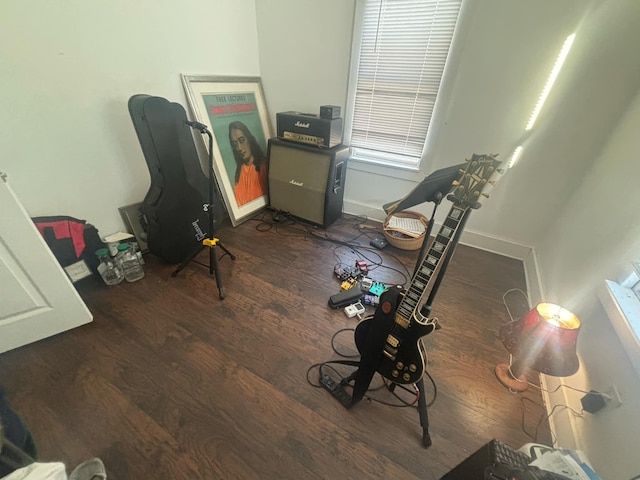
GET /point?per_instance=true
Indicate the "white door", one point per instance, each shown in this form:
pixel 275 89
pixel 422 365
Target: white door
pixel 37 299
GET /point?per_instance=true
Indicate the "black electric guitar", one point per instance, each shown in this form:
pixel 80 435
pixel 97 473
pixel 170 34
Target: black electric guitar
pixel 397 326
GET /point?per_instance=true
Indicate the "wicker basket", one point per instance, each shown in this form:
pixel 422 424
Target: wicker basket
pixel 405 242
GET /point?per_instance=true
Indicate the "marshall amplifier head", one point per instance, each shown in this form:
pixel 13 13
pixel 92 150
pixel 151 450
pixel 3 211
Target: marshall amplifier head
pixel 309 129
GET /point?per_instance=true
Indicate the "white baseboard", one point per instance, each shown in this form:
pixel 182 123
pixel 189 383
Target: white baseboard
pixel 493 244
pixel 473 239
pixel 360 209
pixel 562 422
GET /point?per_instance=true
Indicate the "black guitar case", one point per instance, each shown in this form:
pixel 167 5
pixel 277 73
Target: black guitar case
pixel 173 207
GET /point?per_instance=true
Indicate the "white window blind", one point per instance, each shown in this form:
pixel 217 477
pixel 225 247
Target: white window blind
pixel 403 51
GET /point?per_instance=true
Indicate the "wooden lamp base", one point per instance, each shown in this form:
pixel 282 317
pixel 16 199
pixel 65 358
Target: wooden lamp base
pixel 504 373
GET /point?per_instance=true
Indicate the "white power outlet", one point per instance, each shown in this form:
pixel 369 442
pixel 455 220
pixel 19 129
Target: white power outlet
pixel 614 400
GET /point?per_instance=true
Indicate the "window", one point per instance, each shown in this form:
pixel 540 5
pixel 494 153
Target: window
pixel 398 61
pixel 621 302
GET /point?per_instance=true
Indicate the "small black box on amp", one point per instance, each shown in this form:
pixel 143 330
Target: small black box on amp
pixel 329 111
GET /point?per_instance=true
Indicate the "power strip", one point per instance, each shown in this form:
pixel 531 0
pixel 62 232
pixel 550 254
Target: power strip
pixel 336 390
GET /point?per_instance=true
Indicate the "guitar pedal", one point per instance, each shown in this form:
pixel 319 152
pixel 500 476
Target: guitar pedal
pixel 353 310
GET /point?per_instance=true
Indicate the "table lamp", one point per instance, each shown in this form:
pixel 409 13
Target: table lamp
pixel 543 340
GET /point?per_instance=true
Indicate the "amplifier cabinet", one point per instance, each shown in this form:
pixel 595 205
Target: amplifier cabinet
pixel 307 182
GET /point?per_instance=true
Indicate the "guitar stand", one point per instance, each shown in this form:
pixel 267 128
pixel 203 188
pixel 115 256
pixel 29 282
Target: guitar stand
pixel 361 386
pixel 211 242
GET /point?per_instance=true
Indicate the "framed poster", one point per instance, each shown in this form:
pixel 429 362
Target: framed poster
pixel 135 222
pixel 235 112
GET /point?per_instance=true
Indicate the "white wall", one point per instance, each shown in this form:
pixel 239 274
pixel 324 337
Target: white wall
pixel 593 236
pixel 600 223
pixel 66 74
pixel 304 48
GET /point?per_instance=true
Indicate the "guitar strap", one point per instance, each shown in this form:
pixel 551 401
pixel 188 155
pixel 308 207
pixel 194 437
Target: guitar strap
pixel 373 347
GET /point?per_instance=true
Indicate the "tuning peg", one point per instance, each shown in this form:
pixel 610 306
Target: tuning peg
pixel 456 183
pixel 461 171
pixel 492 182
pixel 500 171
pixel 467 159
pixel 486 195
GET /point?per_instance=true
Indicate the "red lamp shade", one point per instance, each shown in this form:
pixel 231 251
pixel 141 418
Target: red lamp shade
pixel 545 340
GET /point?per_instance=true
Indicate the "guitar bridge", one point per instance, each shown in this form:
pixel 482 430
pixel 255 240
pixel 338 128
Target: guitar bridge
pixel 391 348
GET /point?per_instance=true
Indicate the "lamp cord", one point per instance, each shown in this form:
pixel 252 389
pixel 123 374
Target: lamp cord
pixel 504 300
pixel 592 392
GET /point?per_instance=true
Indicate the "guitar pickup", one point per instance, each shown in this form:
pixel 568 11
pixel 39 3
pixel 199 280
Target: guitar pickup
pixel 393 341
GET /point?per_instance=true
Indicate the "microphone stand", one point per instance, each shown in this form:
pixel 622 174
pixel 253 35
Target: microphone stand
pixel 212 241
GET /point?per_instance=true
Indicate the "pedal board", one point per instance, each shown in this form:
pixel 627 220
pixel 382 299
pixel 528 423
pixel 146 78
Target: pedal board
pixel 336 390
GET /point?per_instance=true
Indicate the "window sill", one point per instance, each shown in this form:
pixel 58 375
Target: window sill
pixel 623 309
pixel 384 169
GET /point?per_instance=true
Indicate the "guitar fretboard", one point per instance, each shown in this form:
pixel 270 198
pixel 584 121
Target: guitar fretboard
pixel 423 275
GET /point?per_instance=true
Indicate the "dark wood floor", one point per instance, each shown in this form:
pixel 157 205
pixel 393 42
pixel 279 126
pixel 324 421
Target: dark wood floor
pixel 168 381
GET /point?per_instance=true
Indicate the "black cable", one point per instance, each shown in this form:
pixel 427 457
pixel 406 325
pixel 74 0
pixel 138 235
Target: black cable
pixel 342 381
pixel 335 350
pixel 292 227
pixel 435 389
pixel 358 251
pixel 546 417
pixel 533 436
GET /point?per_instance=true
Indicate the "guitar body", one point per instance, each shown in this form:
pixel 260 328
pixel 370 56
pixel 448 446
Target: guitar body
pixel 390 346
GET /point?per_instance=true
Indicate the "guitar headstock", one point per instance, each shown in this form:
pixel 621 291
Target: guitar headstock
pixel 481 170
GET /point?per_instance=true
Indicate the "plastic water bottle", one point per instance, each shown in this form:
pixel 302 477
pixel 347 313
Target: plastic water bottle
pixel 128 261
pixel 108 270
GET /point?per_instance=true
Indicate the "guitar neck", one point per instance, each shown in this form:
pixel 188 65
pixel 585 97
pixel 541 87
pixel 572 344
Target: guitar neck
pixel 429 264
